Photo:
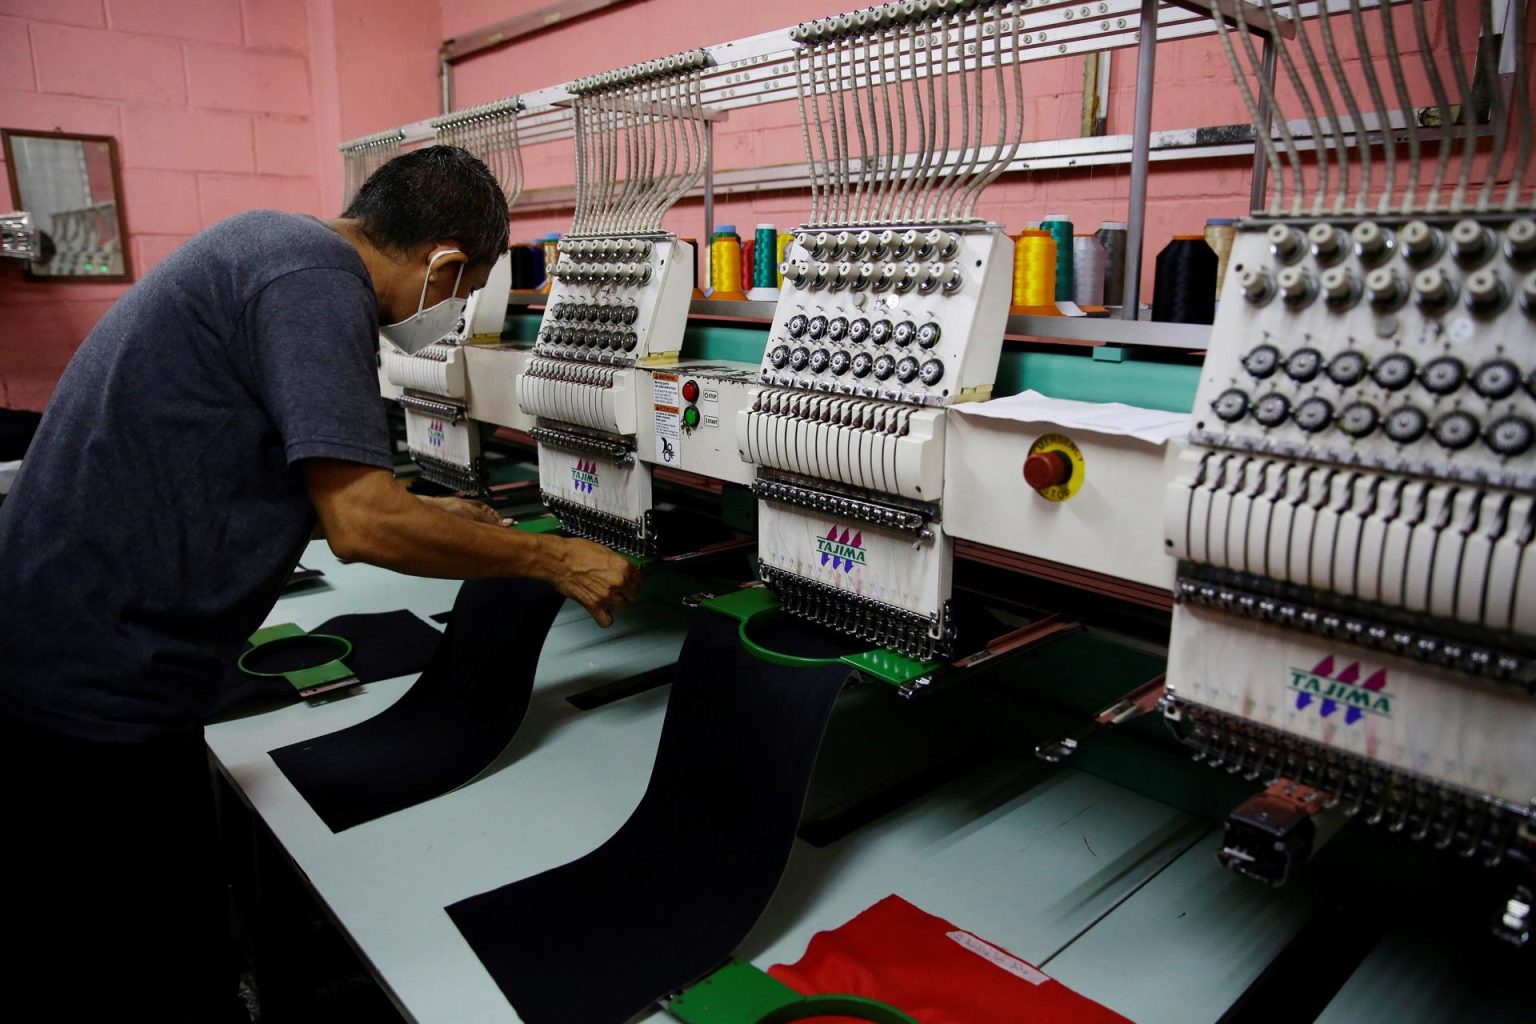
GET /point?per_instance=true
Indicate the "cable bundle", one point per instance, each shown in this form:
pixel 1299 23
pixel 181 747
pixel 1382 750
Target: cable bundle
pixel 361 157
pixel 639 143
pixel 489 131
pixel 909 110
pixel 1359 169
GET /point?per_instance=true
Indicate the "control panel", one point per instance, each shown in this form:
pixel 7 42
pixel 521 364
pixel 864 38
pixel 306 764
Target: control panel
pixel 687 415
pixel 904 315
pixel 1402 346
pixel 617 300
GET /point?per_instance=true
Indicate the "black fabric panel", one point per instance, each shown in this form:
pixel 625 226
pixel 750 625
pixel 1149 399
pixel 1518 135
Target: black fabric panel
pixel 679 886
pixel 446 728
pixel 385 645
pixel 782 632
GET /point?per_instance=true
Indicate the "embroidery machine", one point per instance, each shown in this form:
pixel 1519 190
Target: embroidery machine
pixel 1345 517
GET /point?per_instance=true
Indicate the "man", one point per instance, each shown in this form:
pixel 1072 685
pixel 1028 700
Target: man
pixel 226 404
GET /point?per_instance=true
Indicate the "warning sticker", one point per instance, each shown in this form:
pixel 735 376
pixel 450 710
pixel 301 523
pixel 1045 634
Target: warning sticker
pixel 669 429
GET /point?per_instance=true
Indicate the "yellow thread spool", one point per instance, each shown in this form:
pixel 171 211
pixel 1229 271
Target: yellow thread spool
pixel 1034 269
pixel 725 265
pixel 784 242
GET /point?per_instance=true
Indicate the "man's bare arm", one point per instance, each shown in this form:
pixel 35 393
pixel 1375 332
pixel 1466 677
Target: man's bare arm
pixel 366 517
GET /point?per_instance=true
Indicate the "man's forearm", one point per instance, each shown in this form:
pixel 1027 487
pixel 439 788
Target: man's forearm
pixel 368 518
pixel 427 541
pixel 379 523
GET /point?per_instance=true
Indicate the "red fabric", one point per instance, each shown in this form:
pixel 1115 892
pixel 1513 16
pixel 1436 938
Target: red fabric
pixel 906 958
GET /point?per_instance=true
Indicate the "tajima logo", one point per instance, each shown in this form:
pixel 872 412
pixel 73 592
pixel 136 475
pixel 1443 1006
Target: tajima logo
pixel 435 433
pixel 585 476
pixel 1344 690
pixel 843 553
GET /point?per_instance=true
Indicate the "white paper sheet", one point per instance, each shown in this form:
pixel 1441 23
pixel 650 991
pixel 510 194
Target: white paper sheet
pixel 1153 426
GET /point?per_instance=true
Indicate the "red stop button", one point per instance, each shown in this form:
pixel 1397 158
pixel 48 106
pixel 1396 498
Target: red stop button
pixel 1047 469
pixel 690 391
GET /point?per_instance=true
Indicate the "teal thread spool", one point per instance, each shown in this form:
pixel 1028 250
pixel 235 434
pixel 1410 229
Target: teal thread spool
pixel 765 250
pixel 1061 230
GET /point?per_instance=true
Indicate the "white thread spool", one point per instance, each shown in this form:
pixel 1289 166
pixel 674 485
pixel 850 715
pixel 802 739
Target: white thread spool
pixel 1088 258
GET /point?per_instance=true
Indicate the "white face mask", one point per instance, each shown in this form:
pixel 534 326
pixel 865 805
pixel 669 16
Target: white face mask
pixel 416 332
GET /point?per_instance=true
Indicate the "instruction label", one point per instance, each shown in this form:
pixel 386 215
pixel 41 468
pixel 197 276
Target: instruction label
pixel 665 396
pixel 1012 964
pixel 709 406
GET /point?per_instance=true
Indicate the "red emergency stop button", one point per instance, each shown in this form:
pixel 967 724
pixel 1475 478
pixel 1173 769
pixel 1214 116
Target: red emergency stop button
pixel 1047 469
pixel 690 391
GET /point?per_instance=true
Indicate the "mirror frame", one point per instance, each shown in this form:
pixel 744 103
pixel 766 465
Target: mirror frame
pixel 6 134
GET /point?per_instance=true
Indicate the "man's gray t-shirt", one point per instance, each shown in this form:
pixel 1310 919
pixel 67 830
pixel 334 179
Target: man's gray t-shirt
pixel 161 506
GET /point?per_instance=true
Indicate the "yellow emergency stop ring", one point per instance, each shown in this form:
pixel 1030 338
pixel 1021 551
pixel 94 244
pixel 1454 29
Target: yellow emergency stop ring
pixel 1066 446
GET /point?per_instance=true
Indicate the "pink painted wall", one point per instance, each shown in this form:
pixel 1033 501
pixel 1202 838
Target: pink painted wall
pixel 218 106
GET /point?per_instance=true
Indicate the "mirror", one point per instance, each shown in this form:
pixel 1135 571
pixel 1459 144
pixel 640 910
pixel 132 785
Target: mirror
pixel 71 186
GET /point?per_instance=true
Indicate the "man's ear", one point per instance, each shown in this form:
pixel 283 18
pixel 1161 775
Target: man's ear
pixel 450 258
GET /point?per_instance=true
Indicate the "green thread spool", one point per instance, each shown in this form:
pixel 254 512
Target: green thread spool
pixel 1060 229
pixel 765 267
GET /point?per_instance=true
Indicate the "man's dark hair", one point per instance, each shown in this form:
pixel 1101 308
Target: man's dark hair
pixel 432 193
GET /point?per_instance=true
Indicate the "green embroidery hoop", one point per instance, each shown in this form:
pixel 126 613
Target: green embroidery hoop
pixel 311 681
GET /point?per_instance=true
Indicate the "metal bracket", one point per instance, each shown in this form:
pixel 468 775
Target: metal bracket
pixel 660 110
pixel 874 513
pixel 1009 644
pixel 1512 923
pixel 1138 702
pixel 1253 14
pixel 18 240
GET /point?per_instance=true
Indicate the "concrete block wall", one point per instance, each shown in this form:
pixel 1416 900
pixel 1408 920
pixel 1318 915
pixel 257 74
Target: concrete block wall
pixel 210 103
pixel 217 106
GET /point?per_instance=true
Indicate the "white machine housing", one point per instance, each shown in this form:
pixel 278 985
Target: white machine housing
pixel 1103 528
pixel 664 436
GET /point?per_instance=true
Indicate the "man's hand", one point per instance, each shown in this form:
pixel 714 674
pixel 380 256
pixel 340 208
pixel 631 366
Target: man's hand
pixel 466 508
pixel 599 580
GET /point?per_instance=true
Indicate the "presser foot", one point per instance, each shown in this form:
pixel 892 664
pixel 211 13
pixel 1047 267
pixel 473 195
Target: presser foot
pixel 1474 826
pixel 1271 835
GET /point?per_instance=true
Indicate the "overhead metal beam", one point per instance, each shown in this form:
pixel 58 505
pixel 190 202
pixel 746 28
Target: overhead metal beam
pixel 1253 14
pixel 520 27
